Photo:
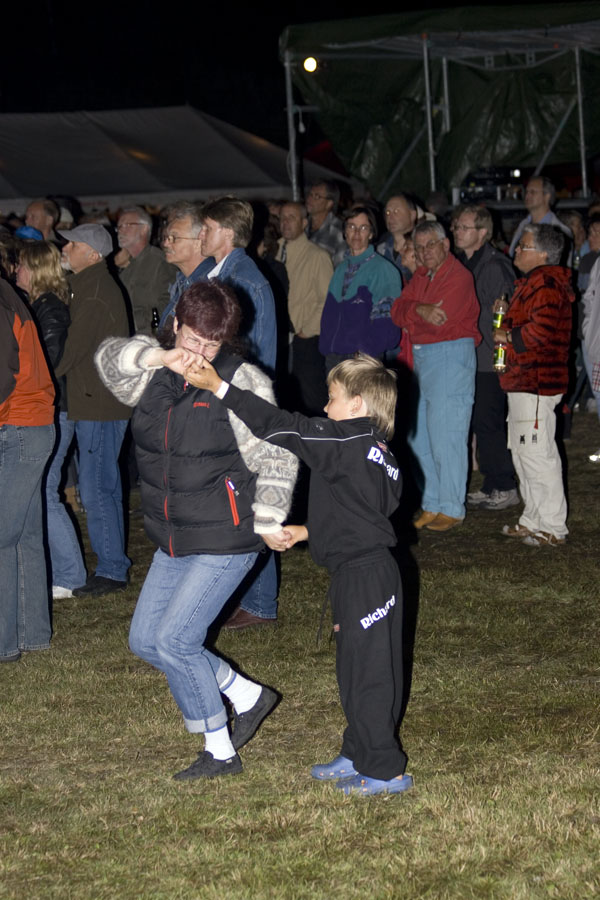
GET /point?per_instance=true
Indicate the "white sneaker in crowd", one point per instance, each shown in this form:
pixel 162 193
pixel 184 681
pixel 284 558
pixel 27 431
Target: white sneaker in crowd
pixel 61 593
pixel 501 500
pixel 476 498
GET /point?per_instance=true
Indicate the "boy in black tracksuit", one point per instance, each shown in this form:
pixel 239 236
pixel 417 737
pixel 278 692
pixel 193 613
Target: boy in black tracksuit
pixel 355 486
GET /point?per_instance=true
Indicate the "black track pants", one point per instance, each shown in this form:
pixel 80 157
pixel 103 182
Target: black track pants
pixel 366 602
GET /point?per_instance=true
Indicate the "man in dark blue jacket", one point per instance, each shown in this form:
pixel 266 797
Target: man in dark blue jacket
pixel 494 276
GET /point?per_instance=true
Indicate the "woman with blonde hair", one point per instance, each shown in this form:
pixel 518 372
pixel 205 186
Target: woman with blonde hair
pixel 40 274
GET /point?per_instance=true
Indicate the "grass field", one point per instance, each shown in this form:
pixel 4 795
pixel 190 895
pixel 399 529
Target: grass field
pixel 502 731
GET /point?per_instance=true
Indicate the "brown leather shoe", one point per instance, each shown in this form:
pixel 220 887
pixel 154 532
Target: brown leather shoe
pixel 424 518
pixel 442 522
pixel 243 619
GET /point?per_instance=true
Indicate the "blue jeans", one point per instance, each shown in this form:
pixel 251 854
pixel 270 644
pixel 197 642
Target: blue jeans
pixel 102 495
pixel 446 376
pixel 258 593
pixel 180 599
pixel 24 599
pixel 66 560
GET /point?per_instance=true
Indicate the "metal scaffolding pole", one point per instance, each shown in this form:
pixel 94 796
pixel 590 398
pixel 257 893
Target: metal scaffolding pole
pixel 289 99
pixel 584 181
pixel 555 137
pixel 446 95
pixel 399 165
pixel 428 114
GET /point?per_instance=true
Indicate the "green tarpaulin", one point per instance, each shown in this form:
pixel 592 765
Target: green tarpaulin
pixel 502 79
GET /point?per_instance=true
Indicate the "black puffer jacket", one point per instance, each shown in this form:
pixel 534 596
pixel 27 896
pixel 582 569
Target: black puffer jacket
pixel 197 492
pixel 53 320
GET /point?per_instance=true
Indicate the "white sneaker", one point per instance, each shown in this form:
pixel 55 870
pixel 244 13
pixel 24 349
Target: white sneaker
pixel 61 593
pixel 594 457
pixel 501 500
pixel 477 498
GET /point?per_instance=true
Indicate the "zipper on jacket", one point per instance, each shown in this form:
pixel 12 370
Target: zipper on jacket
pixel 166 480
pixel 232 493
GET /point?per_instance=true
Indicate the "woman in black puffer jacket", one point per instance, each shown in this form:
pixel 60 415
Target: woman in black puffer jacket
pixel 212 496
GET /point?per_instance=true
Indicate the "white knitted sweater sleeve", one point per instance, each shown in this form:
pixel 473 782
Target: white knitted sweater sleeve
pixel 276 468
pixel 120 365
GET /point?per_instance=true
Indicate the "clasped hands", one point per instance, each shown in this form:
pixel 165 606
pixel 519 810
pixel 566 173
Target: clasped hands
pixel 198 371
pixel 194 367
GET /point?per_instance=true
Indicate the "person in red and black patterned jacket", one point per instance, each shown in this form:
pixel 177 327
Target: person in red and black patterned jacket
pixel 26 442
pixel 537 333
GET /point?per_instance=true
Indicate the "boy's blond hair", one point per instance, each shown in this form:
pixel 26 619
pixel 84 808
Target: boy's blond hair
pixel 368 378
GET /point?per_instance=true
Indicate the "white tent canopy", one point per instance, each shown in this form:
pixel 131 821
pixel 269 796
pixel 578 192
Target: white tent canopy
pixel 154 155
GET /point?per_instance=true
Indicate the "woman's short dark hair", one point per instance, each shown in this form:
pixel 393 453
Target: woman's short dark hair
pixel 211 309
pixel 357 211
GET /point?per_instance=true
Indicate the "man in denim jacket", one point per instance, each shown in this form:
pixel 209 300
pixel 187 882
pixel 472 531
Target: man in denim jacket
pixel 226 231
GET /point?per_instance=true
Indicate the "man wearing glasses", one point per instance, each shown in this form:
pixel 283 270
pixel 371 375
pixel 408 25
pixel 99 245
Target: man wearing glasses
pixel 324 228
pixel 98 311
pixel 438 312
pixel 540 196
pixel 494 276
pixel 182 247
pixel 143 270
pixel 537 332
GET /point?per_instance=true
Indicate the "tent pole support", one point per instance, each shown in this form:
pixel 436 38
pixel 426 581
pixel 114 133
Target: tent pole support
pixel 447 124
pixel 428 114
pixel 584 181
pixel 399 165
pixel 555 137
pixel 289 99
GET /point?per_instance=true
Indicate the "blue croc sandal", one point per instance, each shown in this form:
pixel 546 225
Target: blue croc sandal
pixel 367 787
pixel 340 767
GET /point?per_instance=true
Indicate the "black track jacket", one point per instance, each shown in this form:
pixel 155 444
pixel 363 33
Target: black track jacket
pixel 355 481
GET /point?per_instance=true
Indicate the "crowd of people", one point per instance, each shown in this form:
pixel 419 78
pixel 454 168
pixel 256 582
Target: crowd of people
pixel 110 325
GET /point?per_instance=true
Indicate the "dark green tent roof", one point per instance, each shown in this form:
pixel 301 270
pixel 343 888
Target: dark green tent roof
pixel 510 74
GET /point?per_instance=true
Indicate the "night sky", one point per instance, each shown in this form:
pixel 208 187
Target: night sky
pixel 222 58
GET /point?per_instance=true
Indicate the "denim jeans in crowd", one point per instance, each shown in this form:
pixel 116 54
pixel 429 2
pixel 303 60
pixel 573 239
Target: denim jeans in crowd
pixel 446 376
pixel 180 599
pixel 102 494
pixel 24 598
pixel 589 369
pixel 258 593
pixel 66 560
